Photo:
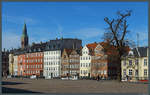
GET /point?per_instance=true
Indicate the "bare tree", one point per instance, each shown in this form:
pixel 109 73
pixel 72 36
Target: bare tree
pixel 116 35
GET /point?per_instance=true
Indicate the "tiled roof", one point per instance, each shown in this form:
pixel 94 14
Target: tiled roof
pixel 140 51
pixel 68 51
pixel 91 47
pixel 110 49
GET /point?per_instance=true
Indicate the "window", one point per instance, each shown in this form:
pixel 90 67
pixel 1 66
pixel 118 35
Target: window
pixel 105 72
pixel 130 62
pixel 145 62
pixel 145 72
pixel 130 72
pixel 136 62
pixel 136 72
pixel 124 63
pixel 124 72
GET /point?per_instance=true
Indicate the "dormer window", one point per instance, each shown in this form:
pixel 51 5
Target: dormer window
pixel 130 53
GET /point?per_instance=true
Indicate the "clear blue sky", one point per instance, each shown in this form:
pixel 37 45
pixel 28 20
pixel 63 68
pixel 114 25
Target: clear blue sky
pixel 83 20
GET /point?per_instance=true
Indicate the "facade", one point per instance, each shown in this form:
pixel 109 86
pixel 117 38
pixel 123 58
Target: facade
pixel 52 63
pixel 53 52
pixel 65 64
pixel 15 65
pixel 5 63
pixel 30 64
pixel 74 63
pixel 135 64
pixel 70 62
pixel 85 60
pixel 11 61
pixel 99 63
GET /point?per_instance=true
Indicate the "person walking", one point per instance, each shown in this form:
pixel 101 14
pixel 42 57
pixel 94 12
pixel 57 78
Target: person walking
pixel 98 78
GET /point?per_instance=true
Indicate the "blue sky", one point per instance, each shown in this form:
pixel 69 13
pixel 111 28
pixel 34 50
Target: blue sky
pixel 83 20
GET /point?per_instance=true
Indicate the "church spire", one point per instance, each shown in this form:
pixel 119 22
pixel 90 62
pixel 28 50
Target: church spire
pixel 24 30
pixel 24 38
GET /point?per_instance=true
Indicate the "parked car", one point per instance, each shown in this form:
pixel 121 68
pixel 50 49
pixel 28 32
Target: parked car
pixel 65 78
pixel 9 76
pixel 48 77
pixel 74 78
pixel 33 77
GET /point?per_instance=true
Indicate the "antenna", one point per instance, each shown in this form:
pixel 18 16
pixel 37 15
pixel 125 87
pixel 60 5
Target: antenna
pixel 137 39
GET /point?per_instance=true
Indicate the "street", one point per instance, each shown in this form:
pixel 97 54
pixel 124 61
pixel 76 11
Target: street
pixel 14 85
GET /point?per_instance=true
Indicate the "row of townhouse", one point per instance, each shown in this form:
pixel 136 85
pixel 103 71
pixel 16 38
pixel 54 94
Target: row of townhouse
pixel 135 64
pixel 42 59
pixel 62 57
pixel 89 61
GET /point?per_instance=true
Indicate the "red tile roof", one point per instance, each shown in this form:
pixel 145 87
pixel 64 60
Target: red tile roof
pixel 68 51
pixel 91 47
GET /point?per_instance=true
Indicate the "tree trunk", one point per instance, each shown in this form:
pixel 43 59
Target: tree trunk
pixel 119 69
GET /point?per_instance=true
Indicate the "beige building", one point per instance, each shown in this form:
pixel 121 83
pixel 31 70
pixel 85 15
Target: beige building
pixel 134 65
pixel 15 65
pixel 11 61
pixel 86 59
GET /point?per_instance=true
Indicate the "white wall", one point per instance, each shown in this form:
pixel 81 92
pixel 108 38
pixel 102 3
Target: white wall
pixel 15 65
pixel 85 62
pixel 52 63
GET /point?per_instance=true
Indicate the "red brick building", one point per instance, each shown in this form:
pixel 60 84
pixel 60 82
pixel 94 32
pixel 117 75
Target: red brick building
pixel 30 63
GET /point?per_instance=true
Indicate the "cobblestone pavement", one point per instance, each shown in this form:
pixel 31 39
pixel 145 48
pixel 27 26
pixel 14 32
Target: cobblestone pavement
pixel 15 85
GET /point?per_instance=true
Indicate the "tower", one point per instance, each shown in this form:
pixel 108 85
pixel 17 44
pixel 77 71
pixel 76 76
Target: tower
pixel 24 37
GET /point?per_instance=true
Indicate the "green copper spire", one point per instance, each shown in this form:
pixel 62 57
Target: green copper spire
pixel 24 31
pixel 24 37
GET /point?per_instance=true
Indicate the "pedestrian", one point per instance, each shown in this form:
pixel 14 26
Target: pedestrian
pixel 37 77
pixel 98 78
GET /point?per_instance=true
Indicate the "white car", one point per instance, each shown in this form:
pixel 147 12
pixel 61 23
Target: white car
pixel 48 77
pixel 75 78
pixel 33 77
pixel 64 78
pixel 9 76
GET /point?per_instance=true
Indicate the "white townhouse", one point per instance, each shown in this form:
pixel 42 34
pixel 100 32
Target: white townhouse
pixel 85 60
pixel 52 63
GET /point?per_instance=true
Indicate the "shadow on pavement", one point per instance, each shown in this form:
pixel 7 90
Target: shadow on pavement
pixel 14 90
pixel 11 83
